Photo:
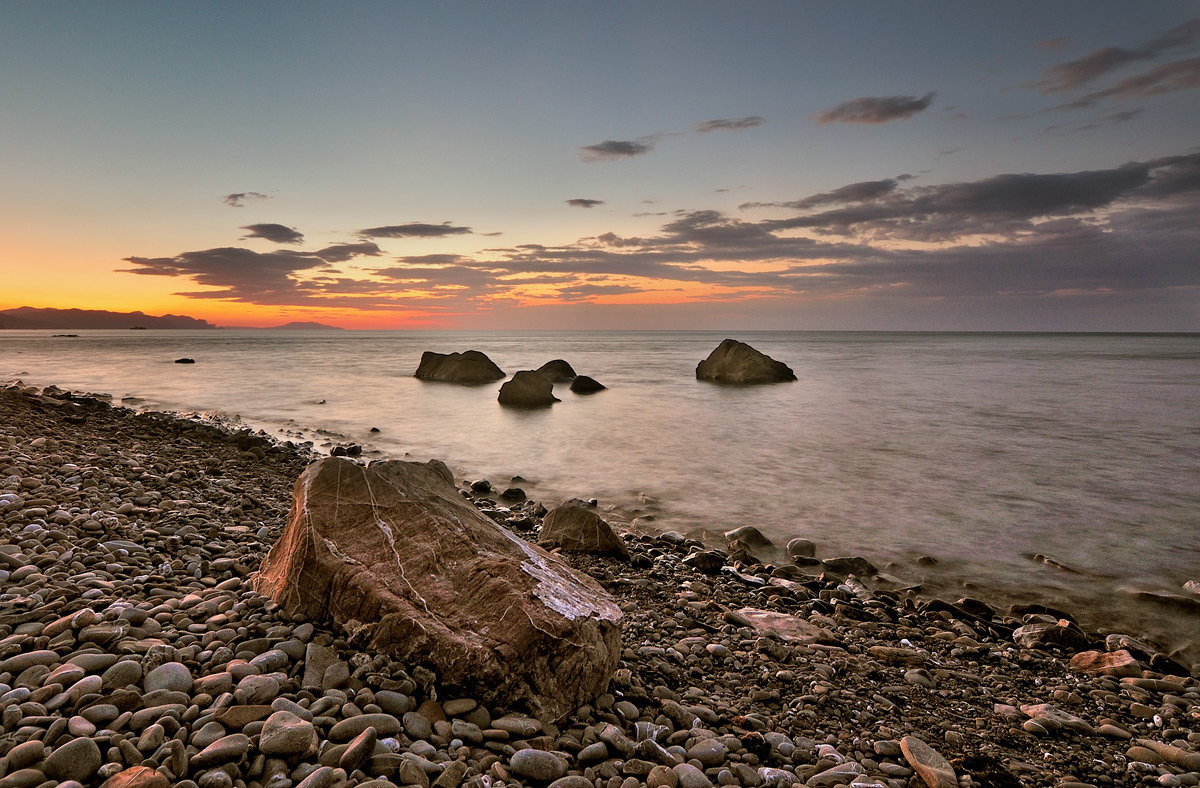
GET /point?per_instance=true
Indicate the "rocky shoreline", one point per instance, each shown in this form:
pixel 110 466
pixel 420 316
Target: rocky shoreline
pixel 133 653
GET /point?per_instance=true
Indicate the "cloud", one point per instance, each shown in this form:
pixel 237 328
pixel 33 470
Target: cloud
pixel 340 253
pixel 876 110
pixel 1074 74
pixel 1123 235
pixel 414 230
pixel 277 233
pixel 730 124
pixel 587 292
pixel 617 149
pixel 238 199
pixel 1164 78
pixel 862 191
pixel 583 202
pixel 241 274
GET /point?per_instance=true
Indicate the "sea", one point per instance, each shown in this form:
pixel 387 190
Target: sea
pixel 1061 469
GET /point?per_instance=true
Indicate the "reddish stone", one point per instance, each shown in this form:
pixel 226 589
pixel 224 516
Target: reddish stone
pixel 934 770
pixel 1115 663
pixel 137 777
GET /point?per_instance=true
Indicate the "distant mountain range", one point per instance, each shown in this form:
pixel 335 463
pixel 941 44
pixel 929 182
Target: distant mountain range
pixel 34 317
pixel 29 317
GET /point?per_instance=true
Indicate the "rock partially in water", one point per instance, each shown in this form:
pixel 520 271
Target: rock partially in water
pixel 579 529
pixel 749 537
pixel 558 371
pixel 469 368
pixel 394 554
pixel 527 389
pixel 737 363
pixel 801 548
pixel 582 384
pixel 850 565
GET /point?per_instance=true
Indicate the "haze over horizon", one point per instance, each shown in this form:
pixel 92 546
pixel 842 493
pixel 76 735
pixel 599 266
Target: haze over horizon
pixel 551 166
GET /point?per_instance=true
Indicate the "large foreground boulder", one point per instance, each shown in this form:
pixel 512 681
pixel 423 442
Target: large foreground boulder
pixel 470 368
pixel 528 389
pixel 393 554
pixel 737 363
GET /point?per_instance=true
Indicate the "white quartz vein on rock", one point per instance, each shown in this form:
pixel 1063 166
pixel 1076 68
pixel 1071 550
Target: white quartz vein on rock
pixel 560 595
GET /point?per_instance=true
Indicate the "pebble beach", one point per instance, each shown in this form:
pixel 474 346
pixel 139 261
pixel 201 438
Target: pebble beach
pixel 133 652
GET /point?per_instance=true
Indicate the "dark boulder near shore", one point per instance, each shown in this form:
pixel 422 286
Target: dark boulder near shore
pixel 527 389
pixel 468 368
pixel 737 363
pixel 577 528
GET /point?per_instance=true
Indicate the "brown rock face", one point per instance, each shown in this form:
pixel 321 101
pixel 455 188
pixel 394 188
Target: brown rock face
pixel 574 527
pixel 528 389
pixel 1116 663
pixel 738 363
pixel 394 554
pixel 469 368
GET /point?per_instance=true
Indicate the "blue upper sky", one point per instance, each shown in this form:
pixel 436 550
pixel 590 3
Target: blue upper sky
pixel 549 164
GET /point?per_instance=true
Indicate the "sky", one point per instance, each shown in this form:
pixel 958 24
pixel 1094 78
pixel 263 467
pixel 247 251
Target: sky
pixel 640 165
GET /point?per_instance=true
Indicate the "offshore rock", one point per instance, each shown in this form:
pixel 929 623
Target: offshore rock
pixel 558 371
pixel 576 528
pixel 528 389
pixel 737 363
pixel 469 368
pixel 582 384
pixel 395 555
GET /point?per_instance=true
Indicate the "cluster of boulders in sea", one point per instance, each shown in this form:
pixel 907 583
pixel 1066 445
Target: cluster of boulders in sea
pixel 529 388
pixel 732 362
pixel 141 645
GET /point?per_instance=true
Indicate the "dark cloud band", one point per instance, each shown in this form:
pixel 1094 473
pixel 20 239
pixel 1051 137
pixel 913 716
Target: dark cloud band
pixel 278 233
pixel 876 110
pixel 730 124
pixel 238 199
pixel 616 149
pixel 414 230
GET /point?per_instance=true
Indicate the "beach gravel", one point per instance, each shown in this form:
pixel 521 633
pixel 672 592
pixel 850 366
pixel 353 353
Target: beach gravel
pixel 133 652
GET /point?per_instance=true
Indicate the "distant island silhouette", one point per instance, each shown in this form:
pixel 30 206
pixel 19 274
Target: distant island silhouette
pixel 296 325
pixel 29 317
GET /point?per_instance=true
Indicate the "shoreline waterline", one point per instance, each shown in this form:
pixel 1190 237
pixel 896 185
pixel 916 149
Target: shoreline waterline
pixel 981 450
pixel 130 543
pixel 1169 622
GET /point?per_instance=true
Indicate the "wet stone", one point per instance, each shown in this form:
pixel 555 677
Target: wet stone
pixel 76 760
pixel 537 765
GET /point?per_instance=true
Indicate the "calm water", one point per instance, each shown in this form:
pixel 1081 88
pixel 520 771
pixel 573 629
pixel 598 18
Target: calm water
pixel 978 449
